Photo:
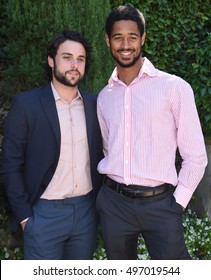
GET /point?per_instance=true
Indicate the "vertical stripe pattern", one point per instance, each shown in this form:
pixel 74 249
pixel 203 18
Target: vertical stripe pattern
pixel 142 126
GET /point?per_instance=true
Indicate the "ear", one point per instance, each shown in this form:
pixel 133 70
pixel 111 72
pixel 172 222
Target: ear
pixel 50 62
pixel 143 38
pixel 107 40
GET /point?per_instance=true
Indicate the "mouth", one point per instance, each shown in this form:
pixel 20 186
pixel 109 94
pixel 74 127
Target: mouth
pixel 73 72
pixel 126 53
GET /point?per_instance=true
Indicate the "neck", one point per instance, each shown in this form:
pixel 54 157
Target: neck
pixel 128 74
pixel 65 92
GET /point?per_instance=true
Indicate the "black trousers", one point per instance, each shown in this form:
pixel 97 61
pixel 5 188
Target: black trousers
pixel 158 219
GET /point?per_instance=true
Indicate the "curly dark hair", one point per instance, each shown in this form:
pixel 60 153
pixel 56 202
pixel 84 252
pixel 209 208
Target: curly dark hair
pixel 126 12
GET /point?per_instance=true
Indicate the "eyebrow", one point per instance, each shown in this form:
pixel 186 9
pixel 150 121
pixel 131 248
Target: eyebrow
pixel 130 33
pixel 66 53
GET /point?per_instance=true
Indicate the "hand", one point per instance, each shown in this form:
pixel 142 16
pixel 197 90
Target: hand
pixel 23 223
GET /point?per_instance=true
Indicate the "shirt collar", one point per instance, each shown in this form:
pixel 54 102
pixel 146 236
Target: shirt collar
pixel 56 95
pixel 147 68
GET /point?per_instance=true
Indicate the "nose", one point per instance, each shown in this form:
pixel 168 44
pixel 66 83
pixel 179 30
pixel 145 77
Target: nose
pixel 74 63
pixel 125 44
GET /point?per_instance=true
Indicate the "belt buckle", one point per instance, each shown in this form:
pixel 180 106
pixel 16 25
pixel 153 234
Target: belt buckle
pixel 135 194
pixel 126 193
pixel 120 190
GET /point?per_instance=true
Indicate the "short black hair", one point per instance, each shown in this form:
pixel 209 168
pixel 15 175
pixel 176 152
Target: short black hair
pixel 71 35
pixel 126 12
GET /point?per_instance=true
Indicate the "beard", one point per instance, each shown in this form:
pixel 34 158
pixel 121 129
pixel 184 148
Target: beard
pixel 125 64
pixel 60 77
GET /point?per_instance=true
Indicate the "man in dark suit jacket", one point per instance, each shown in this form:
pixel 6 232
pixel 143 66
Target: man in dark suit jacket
pixel 50 150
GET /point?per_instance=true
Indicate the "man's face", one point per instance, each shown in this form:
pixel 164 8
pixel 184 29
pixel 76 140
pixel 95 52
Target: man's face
pixel 69 63
pixel 125 43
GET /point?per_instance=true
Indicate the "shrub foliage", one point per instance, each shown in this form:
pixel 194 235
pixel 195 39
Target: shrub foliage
pixel 27 27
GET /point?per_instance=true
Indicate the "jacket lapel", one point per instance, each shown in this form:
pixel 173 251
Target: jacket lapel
pixel 48 103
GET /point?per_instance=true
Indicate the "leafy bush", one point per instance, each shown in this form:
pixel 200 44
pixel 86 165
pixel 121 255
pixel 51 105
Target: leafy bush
pixel 9 254
pixel 27 26
pixel 198 236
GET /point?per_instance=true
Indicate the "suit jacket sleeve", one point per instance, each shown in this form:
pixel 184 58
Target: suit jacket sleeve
pixel 13 150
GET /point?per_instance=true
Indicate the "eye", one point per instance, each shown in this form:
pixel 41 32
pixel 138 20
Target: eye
pixel 81 59
pixel 117 38
pixel 66 57
pixel 133 38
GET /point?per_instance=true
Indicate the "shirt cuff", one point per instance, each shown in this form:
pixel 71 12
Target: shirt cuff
pixel 182 195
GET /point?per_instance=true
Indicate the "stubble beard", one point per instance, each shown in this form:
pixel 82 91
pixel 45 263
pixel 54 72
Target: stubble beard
pixel 127 65
pixel 60 77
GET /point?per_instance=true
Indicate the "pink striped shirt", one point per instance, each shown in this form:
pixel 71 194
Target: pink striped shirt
pixel 142 126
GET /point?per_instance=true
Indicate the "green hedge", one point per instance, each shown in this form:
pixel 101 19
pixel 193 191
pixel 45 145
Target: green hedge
pixel 179 41
pixel 27 26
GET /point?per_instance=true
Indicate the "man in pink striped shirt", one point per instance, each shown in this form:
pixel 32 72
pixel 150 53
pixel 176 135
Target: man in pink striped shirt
pixel 145 115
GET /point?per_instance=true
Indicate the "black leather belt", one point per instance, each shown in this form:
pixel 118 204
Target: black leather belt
pixel 136 191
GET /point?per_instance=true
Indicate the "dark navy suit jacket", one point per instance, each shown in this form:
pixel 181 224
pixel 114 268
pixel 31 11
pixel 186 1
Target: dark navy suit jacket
pixel 31 147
